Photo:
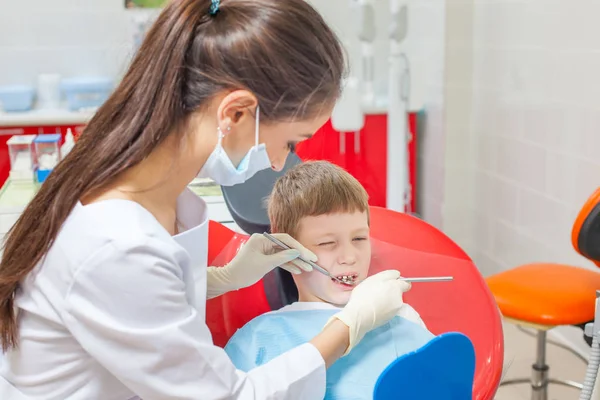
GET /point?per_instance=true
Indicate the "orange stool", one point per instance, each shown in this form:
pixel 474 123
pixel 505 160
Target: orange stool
pixel 546 295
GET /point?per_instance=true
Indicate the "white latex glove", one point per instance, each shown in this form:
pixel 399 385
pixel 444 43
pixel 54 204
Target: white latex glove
pixel 375 301
pixel 255 259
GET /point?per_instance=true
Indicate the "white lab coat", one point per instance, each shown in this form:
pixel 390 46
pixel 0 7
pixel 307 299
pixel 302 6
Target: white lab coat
pixel 117 309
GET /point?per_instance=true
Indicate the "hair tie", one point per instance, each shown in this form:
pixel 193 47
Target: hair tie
pixel 214 7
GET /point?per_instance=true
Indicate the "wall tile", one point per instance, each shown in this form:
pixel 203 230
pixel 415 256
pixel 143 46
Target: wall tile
pixel 487 151
pixel 544 218
pixel 504 199
pixel 587 180
pixel 560 176
pixel 483 232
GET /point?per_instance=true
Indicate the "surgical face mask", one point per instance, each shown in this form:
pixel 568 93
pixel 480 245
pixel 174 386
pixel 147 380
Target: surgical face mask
pixel 219 167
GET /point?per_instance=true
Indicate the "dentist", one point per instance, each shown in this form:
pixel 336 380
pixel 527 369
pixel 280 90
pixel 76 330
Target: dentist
pixel 103 281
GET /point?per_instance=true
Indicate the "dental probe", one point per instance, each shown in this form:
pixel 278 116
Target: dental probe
pixel 429 279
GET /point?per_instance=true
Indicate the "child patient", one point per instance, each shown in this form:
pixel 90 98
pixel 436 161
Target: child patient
pixel 326 210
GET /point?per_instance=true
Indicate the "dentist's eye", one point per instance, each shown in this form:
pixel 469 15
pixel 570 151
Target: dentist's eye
pixel 291 146
pixel 358 239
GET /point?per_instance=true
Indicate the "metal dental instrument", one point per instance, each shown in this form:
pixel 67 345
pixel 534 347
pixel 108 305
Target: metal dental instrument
pixel 312 264
pixel 429 279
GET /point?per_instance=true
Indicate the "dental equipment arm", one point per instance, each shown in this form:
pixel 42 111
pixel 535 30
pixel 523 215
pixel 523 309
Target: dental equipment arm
pixel 592 330
pixel 398 127
pixel 367 34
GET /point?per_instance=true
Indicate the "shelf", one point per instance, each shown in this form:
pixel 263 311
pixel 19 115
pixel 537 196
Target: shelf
pixel 45 118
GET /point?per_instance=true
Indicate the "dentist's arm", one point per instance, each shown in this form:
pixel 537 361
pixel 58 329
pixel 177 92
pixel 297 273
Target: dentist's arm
pixel 332 342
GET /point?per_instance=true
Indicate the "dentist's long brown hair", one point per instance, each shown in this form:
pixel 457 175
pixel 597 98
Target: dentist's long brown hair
pixel 280 50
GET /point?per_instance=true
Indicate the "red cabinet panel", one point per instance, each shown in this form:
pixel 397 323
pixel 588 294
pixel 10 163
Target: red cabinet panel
pixel 324 145
pixel 363 154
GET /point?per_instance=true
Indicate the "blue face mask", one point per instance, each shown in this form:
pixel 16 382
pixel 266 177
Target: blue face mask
pixel 219 167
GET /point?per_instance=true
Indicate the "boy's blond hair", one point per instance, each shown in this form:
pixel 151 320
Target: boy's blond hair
pixel 312 189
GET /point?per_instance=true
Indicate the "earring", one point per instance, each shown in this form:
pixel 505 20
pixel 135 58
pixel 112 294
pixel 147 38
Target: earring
pixel 228 128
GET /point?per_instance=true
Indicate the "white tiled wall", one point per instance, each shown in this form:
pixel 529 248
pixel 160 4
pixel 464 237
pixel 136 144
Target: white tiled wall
pixel 522 102
pixel 69 37
pixel 537 123
pixel 458 215
pixel 426 33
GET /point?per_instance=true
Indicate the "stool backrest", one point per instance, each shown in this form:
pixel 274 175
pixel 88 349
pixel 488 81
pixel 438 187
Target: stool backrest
pixel 442 369
pixel 585 236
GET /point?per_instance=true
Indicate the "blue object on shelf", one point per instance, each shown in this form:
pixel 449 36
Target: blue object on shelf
pixel 47 146
pixel 42 174
pixel 16 98
pixel 48 138
pixel 442 369
pixel 86 92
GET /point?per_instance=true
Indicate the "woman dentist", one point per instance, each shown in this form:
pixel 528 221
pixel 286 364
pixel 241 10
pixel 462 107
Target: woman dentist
pixel 103 282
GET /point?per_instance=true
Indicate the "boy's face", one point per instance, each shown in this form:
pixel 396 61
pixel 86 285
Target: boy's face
pixel 341 242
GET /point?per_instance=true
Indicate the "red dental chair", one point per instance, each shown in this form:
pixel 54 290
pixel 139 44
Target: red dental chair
pixel 416 249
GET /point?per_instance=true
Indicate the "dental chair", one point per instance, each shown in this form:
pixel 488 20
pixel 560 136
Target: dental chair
pixel 543 296
pixel 416 249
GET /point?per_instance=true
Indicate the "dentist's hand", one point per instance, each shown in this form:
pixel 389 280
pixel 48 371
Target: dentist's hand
pixel 257 257
pixel 372 303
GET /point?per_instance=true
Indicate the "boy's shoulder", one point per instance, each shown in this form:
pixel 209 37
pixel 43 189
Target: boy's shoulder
pixel 298 319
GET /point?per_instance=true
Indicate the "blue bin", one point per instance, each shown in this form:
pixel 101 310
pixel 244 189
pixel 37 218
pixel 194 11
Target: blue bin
pixel 86 92
pixel 16 98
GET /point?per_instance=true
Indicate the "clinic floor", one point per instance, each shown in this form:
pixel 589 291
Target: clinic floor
pixel 519 354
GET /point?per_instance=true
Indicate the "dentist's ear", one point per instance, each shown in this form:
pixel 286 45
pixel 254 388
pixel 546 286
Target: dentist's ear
pixel 236 106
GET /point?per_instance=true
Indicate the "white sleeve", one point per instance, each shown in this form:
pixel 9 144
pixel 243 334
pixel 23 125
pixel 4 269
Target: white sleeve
pixel 406 311
pixel 127 307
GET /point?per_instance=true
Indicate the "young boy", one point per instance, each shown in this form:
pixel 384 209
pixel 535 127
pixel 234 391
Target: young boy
pixel 327 211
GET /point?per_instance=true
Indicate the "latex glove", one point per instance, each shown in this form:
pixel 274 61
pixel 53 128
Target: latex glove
pixel 255 259
pixel 375 301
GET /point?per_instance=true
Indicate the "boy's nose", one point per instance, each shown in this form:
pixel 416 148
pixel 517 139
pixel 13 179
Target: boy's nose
pixel 347 255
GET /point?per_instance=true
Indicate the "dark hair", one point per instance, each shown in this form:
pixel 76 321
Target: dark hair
pixel 280 50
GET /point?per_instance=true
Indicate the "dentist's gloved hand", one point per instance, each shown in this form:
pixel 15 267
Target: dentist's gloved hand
pixel 256 258
pixel 375 301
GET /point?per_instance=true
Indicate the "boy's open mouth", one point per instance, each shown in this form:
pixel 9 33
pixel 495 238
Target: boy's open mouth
pixel 348 280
